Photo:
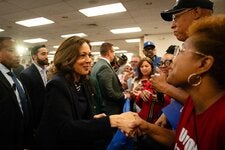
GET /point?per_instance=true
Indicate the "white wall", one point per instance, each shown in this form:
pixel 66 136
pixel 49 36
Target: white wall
pixel 161 41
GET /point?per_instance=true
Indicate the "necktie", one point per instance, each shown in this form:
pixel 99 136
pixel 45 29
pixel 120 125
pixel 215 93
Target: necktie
pixel 21 95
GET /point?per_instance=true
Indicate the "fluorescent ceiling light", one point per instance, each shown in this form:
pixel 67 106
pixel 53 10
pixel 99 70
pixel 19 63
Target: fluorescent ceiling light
pixel 37 40
pixel 132 40
pixel 129 54
pixel 122 51
pixel 115 47
pixel 2 30
pixel 96 43
pixel 52 52
pixel 34 22
pixel 95 53
pixel 50 56
pixel 103 10
pixel 75 34
pixel 56 46
pixel 126 30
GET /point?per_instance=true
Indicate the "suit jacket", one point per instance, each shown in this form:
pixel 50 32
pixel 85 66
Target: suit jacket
pixel 110 86
pixel 13 134
pixel 32 81
pixel 62 127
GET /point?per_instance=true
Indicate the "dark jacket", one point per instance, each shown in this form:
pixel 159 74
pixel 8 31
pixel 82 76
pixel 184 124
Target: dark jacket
pixel 110 86
pixel 32 81
pixel 62 127
pixel 98 106
pixel 13 134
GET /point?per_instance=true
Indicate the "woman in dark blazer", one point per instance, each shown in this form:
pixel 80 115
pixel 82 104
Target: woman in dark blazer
pixel 68 121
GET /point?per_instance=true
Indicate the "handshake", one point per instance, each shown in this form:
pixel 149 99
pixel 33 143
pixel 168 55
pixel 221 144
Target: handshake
pixel 129 123
pixel 132 126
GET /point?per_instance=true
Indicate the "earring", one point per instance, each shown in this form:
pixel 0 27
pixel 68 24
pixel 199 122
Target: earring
pixel 194 79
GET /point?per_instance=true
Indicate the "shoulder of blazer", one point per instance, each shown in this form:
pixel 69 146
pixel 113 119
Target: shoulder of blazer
pixel 33 74
pixel 58 79
pixel 4 80
pixel 33 69
pixel 60 82
pixel 27 72
pixel 103 63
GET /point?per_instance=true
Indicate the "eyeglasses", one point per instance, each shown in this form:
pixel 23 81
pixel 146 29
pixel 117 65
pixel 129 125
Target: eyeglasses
pixel 166 63
pixel 191 51
pixel 133 61
pixel 176 16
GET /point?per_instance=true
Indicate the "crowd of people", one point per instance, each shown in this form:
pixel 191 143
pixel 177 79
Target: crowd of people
pixel 176 101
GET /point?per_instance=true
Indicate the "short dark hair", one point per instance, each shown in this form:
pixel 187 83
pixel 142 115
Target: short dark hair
pixel 105 47
pixel 3 39
pixel 34 50
pixel 172 49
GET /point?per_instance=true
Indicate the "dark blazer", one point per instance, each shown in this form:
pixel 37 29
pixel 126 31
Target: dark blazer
pixel 110 86
pixel 62 127
pixel 12 131
pixel 32 81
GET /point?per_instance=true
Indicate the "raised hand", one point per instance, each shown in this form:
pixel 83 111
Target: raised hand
pixel 159 82
pixel 145 95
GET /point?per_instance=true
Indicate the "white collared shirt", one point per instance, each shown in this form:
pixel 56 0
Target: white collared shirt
pixel 105 59
pixel 42 73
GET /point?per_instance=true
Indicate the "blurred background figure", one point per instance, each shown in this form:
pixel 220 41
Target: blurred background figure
pixel 150 52
pixel 34 78
pixel 109 83
pixel 134 65
pixel 122 61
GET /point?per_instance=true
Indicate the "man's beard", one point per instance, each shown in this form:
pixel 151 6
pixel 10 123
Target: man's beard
pixel 42 62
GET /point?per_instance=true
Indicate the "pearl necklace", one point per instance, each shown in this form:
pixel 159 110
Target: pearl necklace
pixel 77 86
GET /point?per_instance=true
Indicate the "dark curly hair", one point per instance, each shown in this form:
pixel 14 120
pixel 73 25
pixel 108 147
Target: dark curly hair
pixel 209 35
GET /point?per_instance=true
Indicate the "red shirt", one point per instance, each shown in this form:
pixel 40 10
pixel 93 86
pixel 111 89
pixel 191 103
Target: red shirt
pixel 146 105
pixel 205 131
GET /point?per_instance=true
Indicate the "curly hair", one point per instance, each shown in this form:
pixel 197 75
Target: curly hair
pixel 209 33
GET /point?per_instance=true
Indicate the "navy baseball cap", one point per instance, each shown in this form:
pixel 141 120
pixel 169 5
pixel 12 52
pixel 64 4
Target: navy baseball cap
pixel 149 44
pixel 182 5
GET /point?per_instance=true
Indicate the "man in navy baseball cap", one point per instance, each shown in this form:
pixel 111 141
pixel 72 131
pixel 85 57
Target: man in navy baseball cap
pixel 149 45
pixel 181 5
pixel 150 52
